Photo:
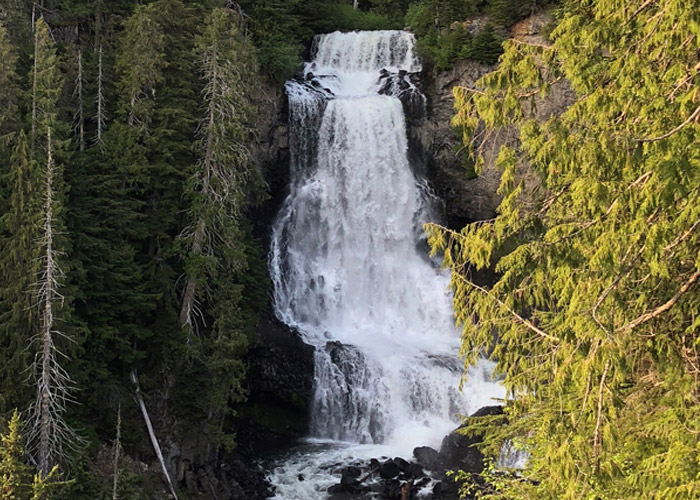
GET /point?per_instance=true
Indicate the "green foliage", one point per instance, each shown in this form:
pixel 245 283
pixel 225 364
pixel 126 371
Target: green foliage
pixel 14 473
pixel 9 91
pixel 593 320
pixel 140 61
pixel 503 12
pixel 21 226
pixel 278 57
pixel 16 479
pixel 486 47
pixel 444 39
pixel 123 206
pixel 344 18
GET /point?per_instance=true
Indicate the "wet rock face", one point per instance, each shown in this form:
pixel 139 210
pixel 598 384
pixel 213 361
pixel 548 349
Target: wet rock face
pixel 280 379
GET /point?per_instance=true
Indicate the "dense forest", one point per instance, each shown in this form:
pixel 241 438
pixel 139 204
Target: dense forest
pixel 133 270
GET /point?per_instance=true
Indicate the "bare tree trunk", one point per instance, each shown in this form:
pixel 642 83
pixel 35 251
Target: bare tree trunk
pixel 355 4
pixel 101 117
pixel 47 323
pixel 189 298
pixel 151 433
pixel 117 450
pixel 80 112
pixel 50 438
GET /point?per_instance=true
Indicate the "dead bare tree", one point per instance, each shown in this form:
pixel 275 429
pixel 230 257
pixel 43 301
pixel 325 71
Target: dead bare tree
pixel 117 452
pixel 79 116
pixel 101 117
pixel 151 432
pixel 50 438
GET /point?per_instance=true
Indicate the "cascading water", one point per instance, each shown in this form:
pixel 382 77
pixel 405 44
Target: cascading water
pixel 349 269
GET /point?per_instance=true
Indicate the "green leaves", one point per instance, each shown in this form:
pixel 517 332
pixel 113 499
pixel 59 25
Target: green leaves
pixel 602 258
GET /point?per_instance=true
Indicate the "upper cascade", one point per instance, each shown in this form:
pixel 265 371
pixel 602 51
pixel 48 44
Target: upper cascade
pixel 367 51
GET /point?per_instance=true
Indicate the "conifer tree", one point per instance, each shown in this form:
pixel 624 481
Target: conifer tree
pixel 226 174
pixel 140 61
pixel 21 225
pixel 593 319
pixel 9 91
pixel 14 473
pixel 50 436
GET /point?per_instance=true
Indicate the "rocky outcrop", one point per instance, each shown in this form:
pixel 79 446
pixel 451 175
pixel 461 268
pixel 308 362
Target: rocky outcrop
pixel 280 378
pixel 458 452
pixel 467 197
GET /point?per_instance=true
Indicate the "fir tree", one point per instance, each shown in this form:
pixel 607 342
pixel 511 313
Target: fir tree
pixel 21 226
pixel 9 90
pixel 140 61
pixel 226 176
pixel 593 320
pixel 14 473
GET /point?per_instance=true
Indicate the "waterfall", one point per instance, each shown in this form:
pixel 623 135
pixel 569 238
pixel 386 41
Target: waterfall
pixel 348 260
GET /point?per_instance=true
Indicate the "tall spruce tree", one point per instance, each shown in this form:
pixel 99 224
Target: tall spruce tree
pixel 226 175
pixel 594 317
pixel 226 181
pixel 21 225
pixel 9 90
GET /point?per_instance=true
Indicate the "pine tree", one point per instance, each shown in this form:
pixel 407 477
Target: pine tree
pixel 226 175
pixel 9 91
pixel 14 473
pixel 140 61
pixel 21 226
pixel 593 319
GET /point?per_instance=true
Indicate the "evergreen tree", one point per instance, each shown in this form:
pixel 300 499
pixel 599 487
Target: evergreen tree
pixel 225 182
pixel 593 319
pixel 487 46
pixel 9 91
pixel 14 473
pixel 226 175
pixel 140 61
pixel 21 226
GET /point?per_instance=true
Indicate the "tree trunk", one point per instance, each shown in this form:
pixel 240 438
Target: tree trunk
pixel 151 433
pixel 80 112
pixel 101 118
pixel 117 450
pixel 49 271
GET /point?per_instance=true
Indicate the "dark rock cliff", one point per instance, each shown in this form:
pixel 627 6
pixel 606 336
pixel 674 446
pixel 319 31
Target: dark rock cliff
pixel 470 198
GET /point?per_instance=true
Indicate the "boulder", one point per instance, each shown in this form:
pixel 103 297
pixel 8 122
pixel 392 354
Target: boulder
pixel 427 457
pixel 389 470
pixel 458 452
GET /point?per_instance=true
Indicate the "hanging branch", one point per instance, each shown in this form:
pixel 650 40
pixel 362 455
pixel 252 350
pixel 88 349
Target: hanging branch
pixel 693 116
pixel 664 307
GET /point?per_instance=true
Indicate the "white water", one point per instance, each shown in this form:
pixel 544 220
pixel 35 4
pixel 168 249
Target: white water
pixel 350 272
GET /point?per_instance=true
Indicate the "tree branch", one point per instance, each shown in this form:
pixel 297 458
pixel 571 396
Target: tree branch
pixel 662 308
pixel 695 114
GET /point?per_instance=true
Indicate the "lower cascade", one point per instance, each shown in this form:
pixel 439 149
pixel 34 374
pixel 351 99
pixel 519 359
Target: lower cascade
pixel 351 272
